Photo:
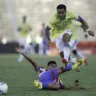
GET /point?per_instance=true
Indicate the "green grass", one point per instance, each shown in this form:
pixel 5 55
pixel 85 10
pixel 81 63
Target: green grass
pixel 20 77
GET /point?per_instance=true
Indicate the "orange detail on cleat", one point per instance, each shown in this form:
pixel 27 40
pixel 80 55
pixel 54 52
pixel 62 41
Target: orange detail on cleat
pixel 86 62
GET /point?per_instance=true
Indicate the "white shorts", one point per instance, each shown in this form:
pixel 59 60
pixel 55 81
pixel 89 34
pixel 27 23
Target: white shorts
pixel 58 41
pixel 60 44
pixel 73 44
pixel 66 48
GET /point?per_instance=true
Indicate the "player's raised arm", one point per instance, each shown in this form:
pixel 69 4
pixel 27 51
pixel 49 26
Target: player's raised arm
pixel 28 58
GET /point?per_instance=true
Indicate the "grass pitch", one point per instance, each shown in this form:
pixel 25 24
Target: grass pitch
pixel 20 77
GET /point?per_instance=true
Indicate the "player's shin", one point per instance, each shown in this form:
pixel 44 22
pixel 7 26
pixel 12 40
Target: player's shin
pixel 66 52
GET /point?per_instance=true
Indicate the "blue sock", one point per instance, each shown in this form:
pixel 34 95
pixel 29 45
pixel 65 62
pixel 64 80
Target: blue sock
pixel 68 67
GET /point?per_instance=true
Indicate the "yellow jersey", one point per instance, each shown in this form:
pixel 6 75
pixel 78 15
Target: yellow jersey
pixel 24 30
pixel 75 26
pixel 58 25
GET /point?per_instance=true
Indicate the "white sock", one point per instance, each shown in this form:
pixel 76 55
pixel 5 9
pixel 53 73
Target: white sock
pixel 66 51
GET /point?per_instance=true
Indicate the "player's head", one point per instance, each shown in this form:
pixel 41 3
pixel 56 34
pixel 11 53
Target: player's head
pixel 61 10
pixel 51 64
pixel 24 19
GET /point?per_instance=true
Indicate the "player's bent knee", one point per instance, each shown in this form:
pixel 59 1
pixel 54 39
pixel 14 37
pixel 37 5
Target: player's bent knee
pixel 66 38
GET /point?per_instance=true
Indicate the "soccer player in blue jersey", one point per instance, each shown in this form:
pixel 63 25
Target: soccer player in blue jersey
pixel 49 77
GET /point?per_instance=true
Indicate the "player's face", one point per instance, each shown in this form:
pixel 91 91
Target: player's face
pixel 61 12
pixel 52 66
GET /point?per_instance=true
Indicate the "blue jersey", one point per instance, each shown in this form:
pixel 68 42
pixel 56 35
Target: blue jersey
pixel 49 76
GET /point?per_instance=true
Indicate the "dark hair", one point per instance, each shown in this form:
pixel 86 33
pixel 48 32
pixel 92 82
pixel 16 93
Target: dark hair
pixel 61 6
pixel 51 62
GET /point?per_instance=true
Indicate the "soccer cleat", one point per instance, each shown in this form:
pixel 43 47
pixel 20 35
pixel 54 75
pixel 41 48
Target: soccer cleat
pixel 80 62
pixel 35 83
pixel 76 65
pixel 38 84
pixel 86 62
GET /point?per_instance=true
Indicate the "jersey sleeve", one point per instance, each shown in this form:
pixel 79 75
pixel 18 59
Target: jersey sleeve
pixel 40 69
pixel 73 15
pixel 77 17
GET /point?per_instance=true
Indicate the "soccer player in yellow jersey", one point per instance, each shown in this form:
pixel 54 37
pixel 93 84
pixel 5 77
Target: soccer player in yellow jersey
pixel 23 30
pixel 60 27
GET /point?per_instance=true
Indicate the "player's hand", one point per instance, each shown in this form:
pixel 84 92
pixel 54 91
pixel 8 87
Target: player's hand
pixel 19 50
pixel 91 33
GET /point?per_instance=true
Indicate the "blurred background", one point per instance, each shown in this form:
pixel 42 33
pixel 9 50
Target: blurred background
pixel 20 16
pixel 38 13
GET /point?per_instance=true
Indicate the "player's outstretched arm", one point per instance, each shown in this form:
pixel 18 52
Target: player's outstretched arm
pixel 85 26
pixel 19 50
